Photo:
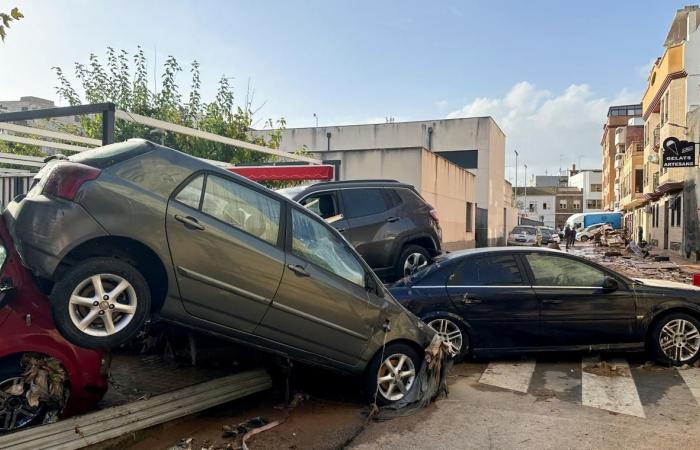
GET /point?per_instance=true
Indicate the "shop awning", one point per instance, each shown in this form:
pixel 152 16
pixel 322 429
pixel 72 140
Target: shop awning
pixel 320 172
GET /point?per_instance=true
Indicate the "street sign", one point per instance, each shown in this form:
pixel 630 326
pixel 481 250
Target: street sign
pixel 678 153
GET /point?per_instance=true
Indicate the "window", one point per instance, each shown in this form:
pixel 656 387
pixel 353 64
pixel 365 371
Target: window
pixel 242 208
pixel 313 242
pixel 577 204
pixel 544 205
pixel 470 217
pixel 393 197
pixel 596 187
pixel 557 271
pixel 563 204
pixel 363 202
pixel 496 270
pixel 532 207
pixel 191 194
pixel 639 181
pixel 323 204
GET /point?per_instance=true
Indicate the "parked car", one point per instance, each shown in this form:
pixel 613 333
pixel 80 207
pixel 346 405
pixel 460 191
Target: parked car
pixel 388 222
pixel 135 230
pixel 525 235
pixel 549 235
pixel 499 300
pixel 589 232
pixel 27 330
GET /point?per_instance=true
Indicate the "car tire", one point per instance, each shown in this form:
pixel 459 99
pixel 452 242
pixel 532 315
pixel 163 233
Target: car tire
pixel 446 327
pixel 15 406
pixel 100 323
pixel 382 391
pixel 675 339
pixel 413 256
pixel 584 238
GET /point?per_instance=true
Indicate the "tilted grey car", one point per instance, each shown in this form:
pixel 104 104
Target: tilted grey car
pixel 135 230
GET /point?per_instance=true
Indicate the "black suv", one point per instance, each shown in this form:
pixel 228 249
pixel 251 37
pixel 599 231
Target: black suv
pixel 388 222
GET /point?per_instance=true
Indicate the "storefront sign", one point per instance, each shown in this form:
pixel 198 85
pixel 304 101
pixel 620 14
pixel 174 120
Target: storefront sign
pixel 678 153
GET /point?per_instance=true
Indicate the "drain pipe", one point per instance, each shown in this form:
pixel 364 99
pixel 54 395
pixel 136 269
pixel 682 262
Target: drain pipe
pixel 430 138
pixel 328 138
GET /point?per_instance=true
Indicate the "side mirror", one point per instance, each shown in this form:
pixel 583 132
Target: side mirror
pixel 372 286
pixel 610 284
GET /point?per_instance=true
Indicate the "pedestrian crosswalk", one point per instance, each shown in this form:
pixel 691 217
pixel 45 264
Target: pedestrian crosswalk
pixel 612 384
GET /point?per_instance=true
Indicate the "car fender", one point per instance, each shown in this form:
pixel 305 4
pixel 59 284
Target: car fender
pixel 455 317
pixel 657 310
pixel 403 240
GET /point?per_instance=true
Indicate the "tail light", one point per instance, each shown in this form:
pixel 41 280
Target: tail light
pixel 66 178
pixel 434 215
pixel 696 279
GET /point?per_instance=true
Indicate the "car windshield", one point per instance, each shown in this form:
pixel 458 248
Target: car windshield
pixel 523 230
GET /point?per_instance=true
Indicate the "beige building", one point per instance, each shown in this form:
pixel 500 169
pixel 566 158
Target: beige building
pixel 617 133
pixel 449 160
pixel 672 92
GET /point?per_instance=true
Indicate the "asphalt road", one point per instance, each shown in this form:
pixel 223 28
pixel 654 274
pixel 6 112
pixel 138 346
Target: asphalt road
pixel 559 402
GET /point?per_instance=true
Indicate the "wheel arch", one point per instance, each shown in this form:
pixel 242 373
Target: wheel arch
pixel 423 240
pixel 136 253
pixel 668 310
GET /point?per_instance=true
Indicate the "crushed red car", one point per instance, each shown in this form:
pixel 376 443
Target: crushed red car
pixel 31 344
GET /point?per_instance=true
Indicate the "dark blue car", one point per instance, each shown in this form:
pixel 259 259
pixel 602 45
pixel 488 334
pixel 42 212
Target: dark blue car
pixel 516 299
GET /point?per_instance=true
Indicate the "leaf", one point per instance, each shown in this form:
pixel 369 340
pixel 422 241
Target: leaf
pixel 16 14
pixel 5 19
pixel 2 33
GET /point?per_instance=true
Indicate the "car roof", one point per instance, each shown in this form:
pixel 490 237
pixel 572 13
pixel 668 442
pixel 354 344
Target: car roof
pixel 351 184
pixel 479 251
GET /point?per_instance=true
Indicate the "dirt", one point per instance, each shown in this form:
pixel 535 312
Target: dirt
pixel 605 369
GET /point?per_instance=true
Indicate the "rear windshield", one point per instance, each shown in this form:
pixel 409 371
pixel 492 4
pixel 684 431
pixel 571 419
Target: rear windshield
pixel 546 232
pixel 523 230
pixel 103 157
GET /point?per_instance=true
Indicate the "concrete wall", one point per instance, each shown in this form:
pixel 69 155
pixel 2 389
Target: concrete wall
pixel 444 185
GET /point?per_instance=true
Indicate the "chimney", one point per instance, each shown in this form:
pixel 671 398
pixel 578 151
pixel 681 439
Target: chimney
pixel 573 169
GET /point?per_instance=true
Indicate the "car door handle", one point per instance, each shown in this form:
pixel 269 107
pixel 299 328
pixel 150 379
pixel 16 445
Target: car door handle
pixel 393 219
pixel 341 230
pixel 469 300
pixel 189 222
pixel 551 301
pixel 298 270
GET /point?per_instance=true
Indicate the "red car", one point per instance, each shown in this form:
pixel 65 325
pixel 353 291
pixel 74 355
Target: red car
pixel 28 335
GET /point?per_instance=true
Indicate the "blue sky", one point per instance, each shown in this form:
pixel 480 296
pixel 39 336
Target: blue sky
pixel 547 70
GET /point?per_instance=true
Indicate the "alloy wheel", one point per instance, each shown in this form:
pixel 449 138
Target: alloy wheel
pixel 413 262
pixel 396 377
pixel 15 411
pixel 102 304
pixel 449 331
pixel 679 340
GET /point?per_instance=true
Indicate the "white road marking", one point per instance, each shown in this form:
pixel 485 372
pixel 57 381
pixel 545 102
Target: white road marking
pixel 611 393
pixel 692 380
pixel 514 375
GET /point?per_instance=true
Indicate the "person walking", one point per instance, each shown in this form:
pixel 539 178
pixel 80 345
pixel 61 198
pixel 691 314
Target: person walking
pixel 567 236
pixel 572 234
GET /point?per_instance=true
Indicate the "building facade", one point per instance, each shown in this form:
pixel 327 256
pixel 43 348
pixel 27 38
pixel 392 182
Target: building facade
pixel 669 210
pixel 537 203
pixel 590 182
pixel 614 138
pixel 475 145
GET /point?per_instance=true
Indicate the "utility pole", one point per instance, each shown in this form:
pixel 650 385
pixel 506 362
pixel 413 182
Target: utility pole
pixel 516 178
pixel 526 206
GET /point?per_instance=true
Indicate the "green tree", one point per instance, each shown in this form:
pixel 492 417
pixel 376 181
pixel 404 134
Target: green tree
pixel 116 81
pixel 6 19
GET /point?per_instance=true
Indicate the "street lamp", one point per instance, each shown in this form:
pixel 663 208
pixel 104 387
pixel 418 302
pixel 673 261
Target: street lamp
pixel 525 185
pixel 316 117
pixel 516 177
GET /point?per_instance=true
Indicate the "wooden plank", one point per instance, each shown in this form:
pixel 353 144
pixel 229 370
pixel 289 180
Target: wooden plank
pixel 49 134
pixel 163 125
pixel 38 143
pixel 116 421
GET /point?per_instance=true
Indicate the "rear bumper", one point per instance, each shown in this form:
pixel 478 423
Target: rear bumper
pixel 45 229
pixel 522 244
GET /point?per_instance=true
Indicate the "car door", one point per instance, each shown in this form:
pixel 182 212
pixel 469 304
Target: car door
pixel 373 224
pixel 492 293
pixel 576 310
pixel 327 205
pixel 227 249
pixel 322 305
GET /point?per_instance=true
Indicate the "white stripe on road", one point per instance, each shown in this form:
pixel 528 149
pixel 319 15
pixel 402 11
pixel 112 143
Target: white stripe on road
pixel 615 393
pixel 692 380
pixel 514 376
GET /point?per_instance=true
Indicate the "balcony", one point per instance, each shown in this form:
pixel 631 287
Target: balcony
pixel 657 137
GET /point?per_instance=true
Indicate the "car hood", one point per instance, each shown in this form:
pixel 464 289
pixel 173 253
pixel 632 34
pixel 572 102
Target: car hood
pixel 666 284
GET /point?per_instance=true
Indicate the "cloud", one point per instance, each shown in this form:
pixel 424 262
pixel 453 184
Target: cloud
pixel 546 127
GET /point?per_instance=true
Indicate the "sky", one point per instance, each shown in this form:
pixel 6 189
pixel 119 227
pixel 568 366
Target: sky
pixel 545 70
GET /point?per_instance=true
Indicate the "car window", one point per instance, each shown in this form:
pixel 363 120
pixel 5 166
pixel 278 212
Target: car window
pixel 323 204
pixel 242 208
pixel 363 202
pixel 393 197
pixel 313 242
pixel 552 270
pixel 494 270
pixel 191 194
pixel 523 230
pixel 3 254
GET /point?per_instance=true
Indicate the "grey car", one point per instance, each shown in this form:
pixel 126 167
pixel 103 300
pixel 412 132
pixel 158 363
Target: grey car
pixel 392 227
pixel 132 231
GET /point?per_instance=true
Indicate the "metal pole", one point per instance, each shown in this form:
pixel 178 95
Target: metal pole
pixel 516 177
pixel 108 125
pixel 525 185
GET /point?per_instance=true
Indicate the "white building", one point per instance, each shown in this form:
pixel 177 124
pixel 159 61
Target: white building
pixel 537 203
pixel 474 144
pixel 591 183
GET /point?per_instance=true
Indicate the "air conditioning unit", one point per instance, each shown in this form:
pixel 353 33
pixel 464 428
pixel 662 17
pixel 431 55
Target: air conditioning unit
pixel 653 158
